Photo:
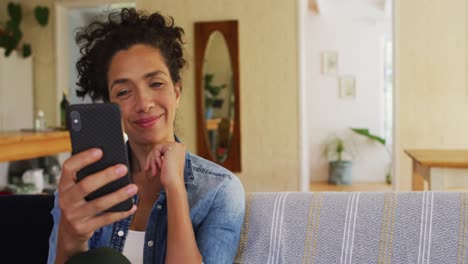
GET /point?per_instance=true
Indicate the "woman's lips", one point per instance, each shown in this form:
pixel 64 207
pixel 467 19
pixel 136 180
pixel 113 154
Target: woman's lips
pixel 147 122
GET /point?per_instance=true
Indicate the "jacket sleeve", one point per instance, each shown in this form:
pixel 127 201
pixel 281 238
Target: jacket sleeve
pixel 218 235
pixel 54 233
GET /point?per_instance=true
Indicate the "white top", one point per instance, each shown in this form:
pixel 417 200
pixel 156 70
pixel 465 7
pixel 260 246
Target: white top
pixel 133 247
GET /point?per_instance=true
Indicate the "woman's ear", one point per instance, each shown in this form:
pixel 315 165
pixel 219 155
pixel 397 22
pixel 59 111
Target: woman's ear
pixel 177 93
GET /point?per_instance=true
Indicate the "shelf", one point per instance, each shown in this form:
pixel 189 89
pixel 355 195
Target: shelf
pixel 19 145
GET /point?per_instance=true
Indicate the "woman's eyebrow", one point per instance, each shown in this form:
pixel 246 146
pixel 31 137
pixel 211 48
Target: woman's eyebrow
pixel 118 81
pixel 146 76
pixel 154 73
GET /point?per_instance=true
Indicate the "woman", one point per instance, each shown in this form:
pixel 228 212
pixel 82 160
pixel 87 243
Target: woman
pixel 187 209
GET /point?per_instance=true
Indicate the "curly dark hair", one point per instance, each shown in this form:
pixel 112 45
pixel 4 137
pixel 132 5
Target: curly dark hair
pixel 100 41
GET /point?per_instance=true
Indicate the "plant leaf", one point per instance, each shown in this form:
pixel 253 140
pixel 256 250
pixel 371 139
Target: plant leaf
pixel 41 13
pixel 26 50
pixel 14 10
pixel 365 132
pixel 10 38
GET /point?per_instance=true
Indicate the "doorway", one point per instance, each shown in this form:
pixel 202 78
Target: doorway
pixel 346 81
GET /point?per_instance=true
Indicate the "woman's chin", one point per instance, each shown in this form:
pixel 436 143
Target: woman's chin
pixel 149 139
pixel 150 136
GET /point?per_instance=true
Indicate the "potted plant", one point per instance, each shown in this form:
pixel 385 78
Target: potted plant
pixel 339 152
pixel 10 31
pixel 211 95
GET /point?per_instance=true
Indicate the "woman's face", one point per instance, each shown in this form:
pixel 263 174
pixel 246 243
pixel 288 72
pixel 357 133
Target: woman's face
pixel 140 83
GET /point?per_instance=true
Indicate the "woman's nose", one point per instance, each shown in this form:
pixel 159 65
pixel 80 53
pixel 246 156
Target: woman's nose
pixel 144 101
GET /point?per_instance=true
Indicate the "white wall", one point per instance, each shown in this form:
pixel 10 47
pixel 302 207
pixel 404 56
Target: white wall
pixel 359 41
pixel 16 98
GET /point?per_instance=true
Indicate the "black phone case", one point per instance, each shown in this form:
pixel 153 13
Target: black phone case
pixel 99 126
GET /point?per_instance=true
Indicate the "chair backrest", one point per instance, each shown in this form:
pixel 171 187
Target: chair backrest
pixel 26 223
pixel 405 227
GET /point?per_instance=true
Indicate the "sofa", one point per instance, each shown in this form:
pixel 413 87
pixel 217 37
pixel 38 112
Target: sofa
pixel 289 227
pixel 377 227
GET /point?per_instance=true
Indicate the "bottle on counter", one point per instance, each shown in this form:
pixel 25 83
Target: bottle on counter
pixel 63 111
pixel 40 123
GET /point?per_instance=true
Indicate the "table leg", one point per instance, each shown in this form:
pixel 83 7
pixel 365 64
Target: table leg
pixel 420 175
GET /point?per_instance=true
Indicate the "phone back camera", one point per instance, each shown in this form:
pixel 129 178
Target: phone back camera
pixel 75 121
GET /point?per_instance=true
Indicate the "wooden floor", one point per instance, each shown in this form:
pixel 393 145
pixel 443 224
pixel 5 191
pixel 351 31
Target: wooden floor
pixel 357 187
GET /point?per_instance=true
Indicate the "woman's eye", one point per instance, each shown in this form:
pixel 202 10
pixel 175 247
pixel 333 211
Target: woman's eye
pixel 155 84
pixel 122 93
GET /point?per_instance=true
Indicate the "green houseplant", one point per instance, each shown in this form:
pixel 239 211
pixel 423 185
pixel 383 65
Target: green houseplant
pixel 11 33
pixel 339 152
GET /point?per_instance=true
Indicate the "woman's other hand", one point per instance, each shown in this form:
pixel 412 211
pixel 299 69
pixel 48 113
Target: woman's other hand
pixel 80 218
pixel 168 161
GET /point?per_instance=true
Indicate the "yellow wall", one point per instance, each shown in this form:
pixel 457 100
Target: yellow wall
pixel 268 81
pixel 431 42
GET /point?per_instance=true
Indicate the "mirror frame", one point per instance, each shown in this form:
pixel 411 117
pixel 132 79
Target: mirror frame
pixel 229 30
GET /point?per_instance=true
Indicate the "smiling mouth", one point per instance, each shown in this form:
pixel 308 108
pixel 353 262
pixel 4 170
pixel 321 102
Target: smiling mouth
pixel 148 122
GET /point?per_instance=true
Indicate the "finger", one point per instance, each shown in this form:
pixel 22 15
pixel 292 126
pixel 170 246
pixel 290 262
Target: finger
pixel 158 156
pixel 91 208
pixel 75 163
pixel 162 148
pixel 149 161
pixel 155 164
pixel 161 161
pixel 154 168
pixel 89 184
pixel 109 218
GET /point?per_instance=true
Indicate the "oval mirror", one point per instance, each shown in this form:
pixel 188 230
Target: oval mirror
pixel 217 93
pixel 218 101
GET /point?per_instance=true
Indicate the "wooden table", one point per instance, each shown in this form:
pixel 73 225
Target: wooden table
pixel 425 159
pixel 17 145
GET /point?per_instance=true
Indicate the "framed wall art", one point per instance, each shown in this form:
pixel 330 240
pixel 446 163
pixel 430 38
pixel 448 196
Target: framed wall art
pixel 347 87
pixel 330 63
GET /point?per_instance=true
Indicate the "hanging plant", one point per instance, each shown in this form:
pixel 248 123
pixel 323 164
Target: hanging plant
pixel 10 32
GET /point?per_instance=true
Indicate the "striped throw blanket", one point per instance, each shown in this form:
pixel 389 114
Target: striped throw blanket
pixel 332 227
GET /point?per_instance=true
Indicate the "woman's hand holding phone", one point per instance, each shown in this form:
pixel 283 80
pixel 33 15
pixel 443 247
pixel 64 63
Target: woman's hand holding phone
pixel 80 218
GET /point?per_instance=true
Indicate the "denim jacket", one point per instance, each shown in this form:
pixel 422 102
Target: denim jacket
pixel 217 203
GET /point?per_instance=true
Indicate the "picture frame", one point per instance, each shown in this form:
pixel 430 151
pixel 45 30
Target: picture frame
pixel 329 63
pixel 347 87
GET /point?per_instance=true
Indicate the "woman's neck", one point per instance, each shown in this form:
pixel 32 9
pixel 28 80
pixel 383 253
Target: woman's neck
pixel 138 156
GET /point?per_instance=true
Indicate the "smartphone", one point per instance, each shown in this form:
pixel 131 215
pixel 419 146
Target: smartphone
pixel 99 125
